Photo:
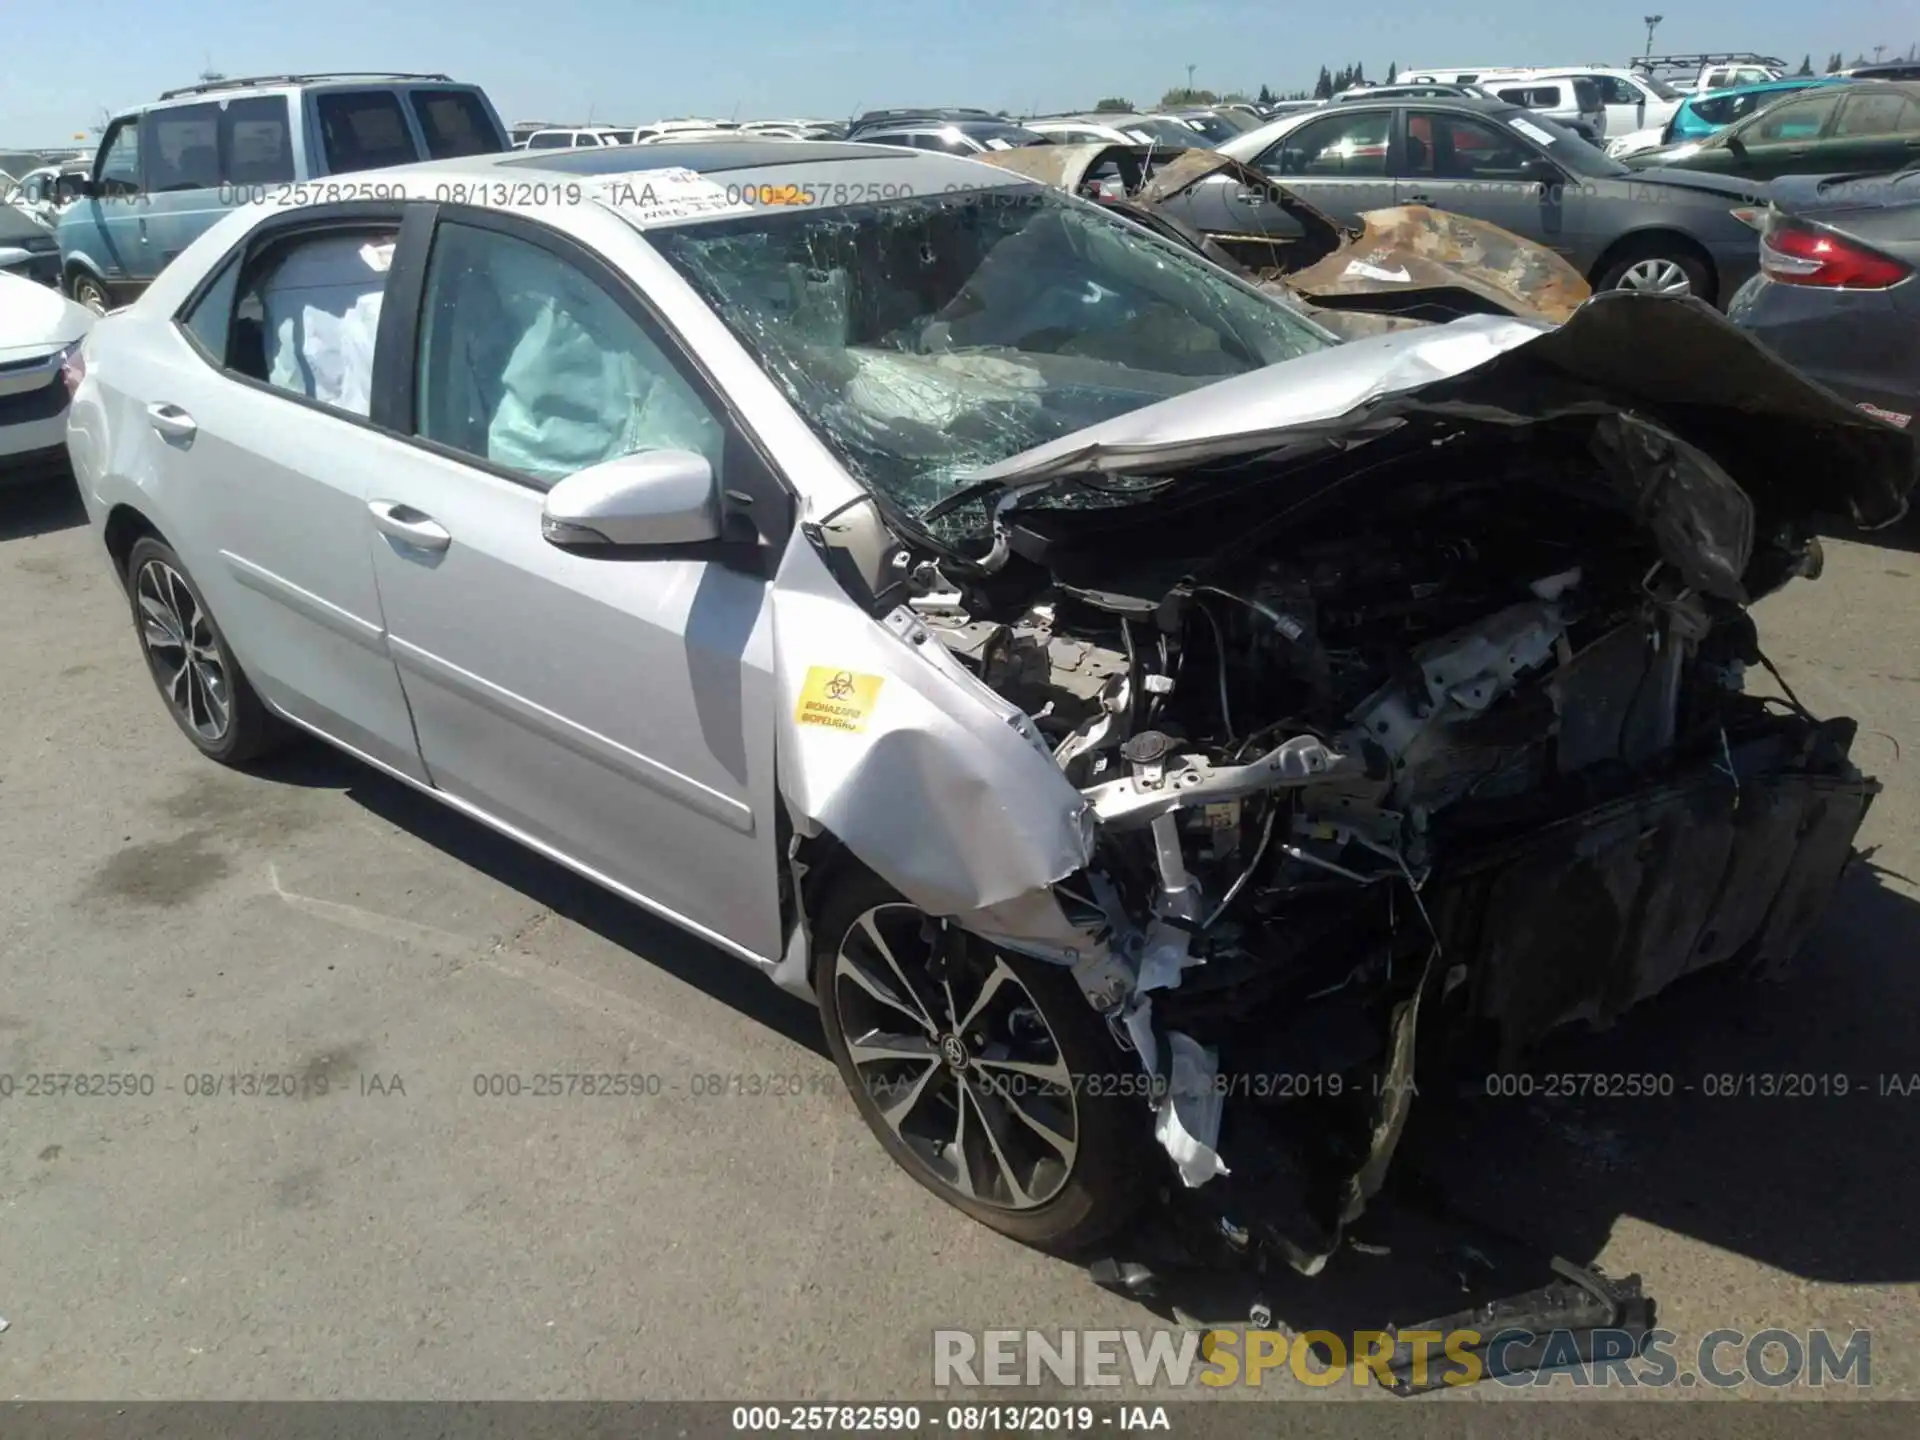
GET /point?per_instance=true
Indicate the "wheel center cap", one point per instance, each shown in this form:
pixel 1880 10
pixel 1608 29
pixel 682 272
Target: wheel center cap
pixel 954 1051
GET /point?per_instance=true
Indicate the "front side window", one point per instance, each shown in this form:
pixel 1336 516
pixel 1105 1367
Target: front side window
pixel 1341 145
pixel 1615 91
pixel 454 122
pixel 529 364
pixel 119 164
pixel 1792 120
pixel 550 140
pixel 1455 147
pixel 925 338
pixel 363 130
pixel 183 148
pixel 308 312
pixel 256 143
pixel 210 320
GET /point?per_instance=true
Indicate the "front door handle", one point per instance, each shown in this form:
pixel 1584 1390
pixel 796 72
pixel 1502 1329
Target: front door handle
pixel 408 525
pixel 171 421
pixel 1419 199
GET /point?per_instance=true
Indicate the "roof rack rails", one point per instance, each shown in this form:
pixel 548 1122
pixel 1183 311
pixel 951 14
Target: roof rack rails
pixel 1694 62
pixel 925 112
pixel 248 81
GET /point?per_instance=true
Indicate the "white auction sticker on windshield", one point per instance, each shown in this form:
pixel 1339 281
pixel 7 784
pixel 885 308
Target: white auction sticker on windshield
pixel 1532 132
pixel 652 197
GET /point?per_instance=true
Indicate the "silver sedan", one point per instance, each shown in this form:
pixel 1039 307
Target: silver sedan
pixel 1124 709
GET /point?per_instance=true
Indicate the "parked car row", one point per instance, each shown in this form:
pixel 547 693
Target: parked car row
pixel 1687 217
pixel 569 137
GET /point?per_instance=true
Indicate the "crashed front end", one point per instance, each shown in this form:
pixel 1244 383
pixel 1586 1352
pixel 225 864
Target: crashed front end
pixel 1324 745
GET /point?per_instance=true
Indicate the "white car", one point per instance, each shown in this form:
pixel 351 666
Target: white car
pixel 1081 132
pixel 39 328
pixel 1099 690
pixel 1632 143
pixel 44 192
pixel 573 139
pixel 701 136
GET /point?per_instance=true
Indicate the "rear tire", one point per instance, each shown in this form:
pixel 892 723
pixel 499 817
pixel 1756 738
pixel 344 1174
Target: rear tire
pixel 996 1086
pixel 205 690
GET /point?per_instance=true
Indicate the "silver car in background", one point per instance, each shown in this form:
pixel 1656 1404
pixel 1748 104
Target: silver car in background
pixel 1097 688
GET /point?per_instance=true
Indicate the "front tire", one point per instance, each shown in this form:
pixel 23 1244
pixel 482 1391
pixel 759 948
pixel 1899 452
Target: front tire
pixel 1660 268
pixel 86 290
pixel 985 1074
pixel 205 690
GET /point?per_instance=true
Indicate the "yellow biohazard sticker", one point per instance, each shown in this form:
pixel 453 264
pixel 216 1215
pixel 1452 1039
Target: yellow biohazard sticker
pixel 837 699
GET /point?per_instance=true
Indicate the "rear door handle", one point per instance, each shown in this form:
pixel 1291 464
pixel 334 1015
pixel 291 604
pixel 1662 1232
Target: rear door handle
pixel 171 421
pixel 1417 199
pixel 408 525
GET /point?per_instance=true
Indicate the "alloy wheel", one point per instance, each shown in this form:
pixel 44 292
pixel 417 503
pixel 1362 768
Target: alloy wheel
pixel 183 651
pixel 1661 277
pixel 958 1059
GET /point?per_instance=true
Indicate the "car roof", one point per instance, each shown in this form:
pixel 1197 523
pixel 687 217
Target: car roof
pixel 1479 105
pixel 831 162
pixel 224 91
pixel 1761 87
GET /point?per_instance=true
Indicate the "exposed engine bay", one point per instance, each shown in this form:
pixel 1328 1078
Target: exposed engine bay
pixel 1480 747
pixel 1359 720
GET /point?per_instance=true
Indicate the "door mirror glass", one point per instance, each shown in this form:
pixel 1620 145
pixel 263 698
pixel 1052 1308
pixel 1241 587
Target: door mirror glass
pixel 1540 170
pixel 651 497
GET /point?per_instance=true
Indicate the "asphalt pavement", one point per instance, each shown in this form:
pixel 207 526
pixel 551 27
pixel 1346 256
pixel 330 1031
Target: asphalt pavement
pixel 318 989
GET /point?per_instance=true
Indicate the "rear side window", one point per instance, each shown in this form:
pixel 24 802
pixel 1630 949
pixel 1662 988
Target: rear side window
pixel 551 140
pixel 183 148
pixel 308 313
pixel 363 130
pixel 1586 95
pixel 1884 113
pixel 453 122
pixel 256 143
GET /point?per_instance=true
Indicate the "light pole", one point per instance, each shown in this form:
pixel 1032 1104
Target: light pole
pixel 1652 21
pixel 1189 83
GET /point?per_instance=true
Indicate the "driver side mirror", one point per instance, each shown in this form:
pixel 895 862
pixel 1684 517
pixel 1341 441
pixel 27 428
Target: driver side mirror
pixel 652 497
pixel 1539 170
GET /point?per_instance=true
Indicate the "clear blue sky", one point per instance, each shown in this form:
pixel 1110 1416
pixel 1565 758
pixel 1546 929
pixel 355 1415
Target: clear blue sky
pixel 635 60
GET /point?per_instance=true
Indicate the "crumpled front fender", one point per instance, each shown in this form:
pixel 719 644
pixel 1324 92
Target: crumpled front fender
pixel 929 778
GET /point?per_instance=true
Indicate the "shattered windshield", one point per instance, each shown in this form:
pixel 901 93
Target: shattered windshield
pixel 926 338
